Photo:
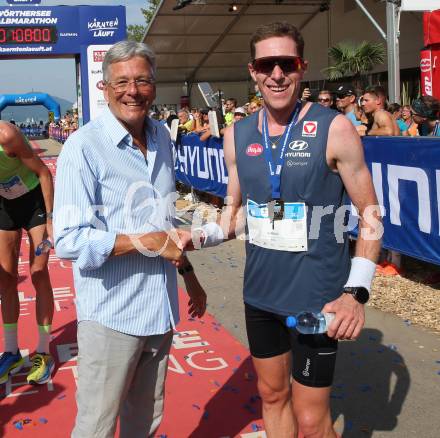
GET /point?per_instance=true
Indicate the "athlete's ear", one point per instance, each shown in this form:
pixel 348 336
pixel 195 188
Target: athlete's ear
pixel 252 72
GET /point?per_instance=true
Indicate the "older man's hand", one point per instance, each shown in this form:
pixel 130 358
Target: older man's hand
pixel 162 243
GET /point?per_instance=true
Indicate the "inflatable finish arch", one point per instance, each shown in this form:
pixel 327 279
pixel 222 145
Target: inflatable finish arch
pixel 30 99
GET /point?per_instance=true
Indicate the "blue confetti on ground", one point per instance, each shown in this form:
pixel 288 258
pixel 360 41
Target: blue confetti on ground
pixel 190 373
pixel 60 397
pixel 196 407
pixel 205 415
pixel 43 420
pixel 18 425
pixel 238 358
pixel 255 427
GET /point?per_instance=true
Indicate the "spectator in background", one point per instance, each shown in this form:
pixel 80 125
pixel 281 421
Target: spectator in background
pixel 185 123
pixel 346 103
pixel 239 114
pixel 396 111
pixel 408 119
pixel 426 113
pixel 201 121
pixel 380 120
pixel 230 106
pixel 325 98
pixel 254 106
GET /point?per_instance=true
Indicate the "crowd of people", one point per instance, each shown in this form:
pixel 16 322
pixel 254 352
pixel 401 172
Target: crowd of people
pixel 369 111
pixel 60 129
pixel 371 114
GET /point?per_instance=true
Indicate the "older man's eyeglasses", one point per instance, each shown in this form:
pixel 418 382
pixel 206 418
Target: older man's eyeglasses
pixel 288 64
pixel 121 86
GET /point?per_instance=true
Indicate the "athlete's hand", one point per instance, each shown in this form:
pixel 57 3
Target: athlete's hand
pixel 349 317
pixel 189 241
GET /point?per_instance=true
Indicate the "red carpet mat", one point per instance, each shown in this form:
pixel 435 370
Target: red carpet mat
pixel 210 391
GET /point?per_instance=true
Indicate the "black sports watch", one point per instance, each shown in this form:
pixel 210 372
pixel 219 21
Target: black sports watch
pixel 359 293
pixel 185 269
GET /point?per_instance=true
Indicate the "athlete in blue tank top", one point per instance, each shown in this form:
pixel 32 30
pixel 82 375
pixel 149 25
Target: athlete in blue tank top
pixel 289 166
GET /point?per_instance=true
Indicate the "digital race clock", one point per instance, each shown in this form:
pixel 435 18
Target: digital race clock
pixel 28 35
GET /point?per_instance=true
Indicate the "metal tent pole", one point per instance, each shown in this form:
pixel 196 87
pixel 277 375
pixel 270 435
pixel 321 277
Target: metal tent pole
pixel 393 15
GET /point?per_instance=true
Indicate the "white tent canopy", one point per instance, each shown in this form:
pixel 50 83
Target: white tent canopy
pixel 205 42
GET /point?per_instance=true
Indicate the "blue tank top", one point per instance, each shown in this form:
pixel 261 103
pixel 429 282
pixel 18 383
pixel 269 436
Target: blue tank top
pixel 288 282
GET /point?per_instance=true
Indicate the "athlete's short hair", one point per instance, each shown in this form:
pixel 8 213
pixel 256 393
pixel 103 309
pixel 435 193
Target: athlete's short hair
pixel 277 29
pixel 126 50
pixel 377 90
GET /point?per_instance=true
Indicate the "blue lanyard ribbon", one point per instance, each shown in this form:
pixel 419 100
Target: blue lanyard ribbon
pixel 275 168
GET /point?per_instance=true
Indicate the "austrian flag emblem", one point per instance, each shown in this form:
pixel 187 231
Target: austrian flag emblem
pixel 309 129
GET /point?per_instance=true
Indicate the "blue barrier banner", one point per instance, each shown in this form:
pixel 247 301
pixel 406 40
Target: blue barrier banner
pixel 201 164
pixel 405 172
pixel 406 176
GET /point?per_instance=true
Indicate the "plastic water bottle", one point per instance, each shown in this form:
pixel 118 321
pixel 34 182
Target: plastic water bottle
pixel 310 323
pixel 44 247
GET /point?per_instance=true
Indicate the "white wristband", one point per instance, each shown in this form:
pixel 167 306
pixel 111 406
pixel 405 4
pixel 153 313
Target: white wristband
pixel 361 273
pixel 212 234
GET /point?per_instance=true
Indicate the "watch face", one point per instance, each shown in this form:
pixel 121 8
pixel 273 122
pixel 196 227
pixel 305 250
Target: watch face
pixel 361 294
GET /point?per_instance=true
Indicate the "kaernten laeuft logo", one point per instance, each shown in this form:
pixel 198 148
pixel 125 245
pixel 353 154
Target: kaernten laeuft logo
pixel 103 28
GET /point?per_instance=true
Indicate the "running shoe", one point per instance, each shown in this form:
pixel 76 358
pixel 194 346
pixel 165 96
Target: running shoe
pixel 10 363
pixel 42 367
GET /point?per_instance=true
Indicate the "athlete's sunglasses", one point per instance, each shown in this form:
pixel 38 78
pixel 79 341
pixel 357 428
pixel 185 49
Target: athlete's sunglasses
pixel 289 64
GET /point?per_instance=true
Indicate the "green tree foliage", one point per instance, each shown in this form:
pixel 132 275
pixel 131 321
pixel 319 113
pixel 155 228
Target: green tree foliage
pixel 136 32
pixel 354 60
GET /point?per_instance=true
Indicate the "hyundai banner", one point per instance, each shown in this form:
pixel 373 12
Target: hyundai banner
pixel 405 172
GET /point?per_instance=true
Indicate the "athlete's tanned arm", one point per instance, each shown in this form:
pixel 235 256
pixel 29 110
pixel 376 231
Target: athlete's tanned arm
pixel 345 156
pixel 15 145
pixel 384 124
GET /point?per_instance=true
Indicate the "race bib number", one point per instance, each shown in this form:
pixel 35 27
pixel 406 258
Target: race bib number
pixel 13 188
pixel 288 233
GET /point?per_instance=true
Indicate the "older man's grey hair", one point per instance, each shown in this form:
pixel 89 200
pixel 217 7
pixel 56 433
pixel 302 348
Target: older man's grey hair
pixel 126 50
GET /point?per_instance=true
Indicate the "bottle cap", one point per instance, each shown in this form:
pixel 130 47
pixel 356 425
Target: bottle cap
pixel 291 321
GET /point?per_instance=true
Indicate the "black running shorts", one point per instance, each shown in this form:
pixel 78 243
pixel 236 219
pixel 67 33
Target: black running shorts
pixel 27 211
pixel 313 356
